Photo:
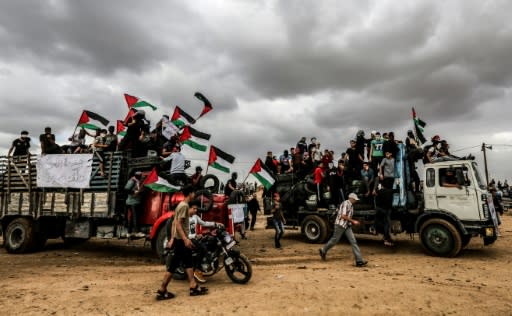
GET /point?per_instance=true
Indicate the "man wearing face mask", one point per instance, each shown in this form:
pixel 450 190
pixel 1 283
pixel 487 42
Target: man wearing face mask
pixel 20 145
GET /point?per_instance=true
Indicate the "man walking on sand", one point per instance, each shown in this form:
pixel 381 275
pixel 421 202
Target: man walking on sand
pixel 182 246
pixel 343 226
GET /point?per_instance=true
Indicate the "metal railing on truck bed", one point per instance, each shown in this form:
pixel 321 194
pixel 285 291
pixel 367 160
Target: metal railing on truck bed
pixel 20 195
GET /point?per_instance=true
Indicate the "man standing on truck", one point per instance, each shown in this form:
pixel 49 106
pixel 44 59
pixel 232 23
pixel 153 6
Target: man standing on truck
pixel 182 246
pixel 20 145
pixel 343 226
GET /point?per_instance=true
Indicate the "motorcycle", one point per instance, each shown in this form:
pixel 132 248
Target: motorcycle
pixel 215 251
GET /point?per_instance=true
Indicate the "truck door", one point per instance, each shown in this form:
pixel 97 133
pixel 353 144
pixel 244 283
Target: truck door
pixel 461 201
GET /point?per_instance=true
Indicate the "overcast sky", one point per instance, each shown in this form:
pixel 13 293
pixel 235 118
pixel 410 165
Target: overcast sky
pixel 273 70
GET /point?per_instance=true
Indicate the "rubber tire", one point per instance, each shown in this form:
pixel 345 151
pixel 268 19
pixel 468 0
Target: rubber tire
pixel 243 263
pixel 209 197
pixel 22 226
pixel 314 229
pixel 449 240
pixel 161 236
pixel 216 183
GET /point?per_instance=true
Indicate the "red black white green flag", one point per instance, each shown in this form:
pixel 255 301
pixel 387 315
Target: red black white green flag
pixel 120 128
pixel 194 138
pixel 220 160
pixel 134 102
pixel 418 127
pixel 91 120
pixel 181 118
pixel 207 104
pixel 262 174
pixel 159 184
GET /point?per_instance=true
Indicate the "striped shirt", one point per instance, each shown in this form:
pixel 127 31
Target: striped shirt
pixel 345 208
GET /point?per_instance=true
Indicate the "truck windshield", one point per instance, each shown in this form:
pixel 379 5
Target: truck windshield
pixel 479 181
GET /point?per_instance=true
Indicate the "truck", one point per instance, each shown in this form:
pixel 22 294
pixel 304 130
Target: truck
pixel 30 215
pixel 445 218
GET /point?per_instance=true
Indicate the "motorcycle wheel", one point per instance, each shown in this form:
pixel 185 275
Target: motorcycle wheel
pixel 240 271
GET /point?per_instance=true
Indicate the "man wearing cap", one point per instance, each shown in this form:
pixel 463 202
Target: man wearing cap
pixel 20 145
pixel 343 226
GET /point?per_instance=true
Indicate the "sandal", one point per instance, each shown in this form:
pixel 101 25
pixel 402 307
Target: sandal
pixel 198 290
pixel 160 295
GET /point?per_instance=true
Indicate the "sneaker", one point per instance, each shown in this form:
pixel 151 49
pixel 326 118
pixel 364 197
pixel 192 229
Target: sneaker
pixel 198 275
pixel 322 254
pixel 140 235
pixel 361 264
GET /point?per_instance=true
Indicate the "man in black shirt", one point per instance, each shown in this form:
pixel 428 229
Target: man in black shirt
pixel 20 145
pixel 231 184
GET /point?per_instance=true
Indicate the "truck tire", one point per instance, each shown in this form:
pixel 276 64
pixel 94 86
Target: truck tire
pixel 205 183
pixel 161 238
pixel 465 240
pixel 314 229
pixel 440 238
pixel 19 236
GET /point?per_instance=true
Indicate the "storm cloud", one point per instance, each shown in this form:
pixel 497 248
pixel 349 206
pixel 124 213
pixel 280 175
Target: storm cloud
pixel 274 70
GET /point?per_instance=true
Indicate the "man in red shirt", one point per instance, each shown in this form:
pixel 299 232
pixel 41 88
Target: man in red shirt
pixel 318 179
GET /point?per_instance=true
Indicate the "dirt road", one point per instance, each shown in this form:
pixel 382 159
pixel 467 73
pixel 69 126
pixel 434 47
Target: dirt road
pixel 104 277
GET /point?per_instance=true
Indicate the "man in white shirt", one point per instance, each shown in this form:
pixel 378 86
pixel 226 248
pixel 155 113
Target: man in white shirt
pixel 343 226
pixel 177 169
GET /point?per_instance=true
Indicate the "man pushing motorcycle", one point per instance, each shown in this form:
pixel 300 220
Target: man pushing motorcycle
pixel 182 246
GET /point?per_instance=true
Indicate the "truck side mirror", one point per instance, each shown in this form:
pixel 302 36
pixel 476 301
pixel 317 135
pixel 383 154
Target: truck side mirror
pixel 460 177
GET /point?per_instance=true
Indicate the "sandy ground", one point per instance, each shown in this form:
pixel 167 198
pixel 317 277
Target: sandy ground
pixel 112 277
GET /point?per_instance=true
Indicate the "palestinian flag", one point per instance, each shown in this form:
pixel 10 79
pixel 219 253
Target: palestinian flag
pixel 418 127
pixel 207 105
pixel 159 184
pixel 134 102
pixel 180 118
pixel 131 112
pixel 168 129
pixel 91 120
pixel 194 138
pixel 220 160
pixel 120 128
pixel 262 174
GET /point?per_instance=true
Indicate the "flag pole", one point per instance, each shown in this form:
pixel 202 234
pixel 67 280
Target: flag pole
pixel 77 124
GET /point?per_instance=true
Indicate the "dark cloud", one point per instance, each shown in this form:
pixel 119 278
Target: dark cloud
pixel 274 70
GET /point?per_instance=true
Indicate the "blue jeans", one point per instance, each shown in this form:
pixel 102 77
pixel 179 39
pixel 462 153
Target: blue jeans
pixel 279 227
pixel 339 231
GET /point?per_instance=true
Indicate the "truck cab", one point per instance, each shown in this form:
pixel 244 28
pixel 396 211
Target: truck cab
pixel 466 205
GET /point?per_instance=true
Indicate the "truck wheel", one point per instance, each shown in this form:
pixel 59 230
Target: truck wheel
pixel 440 238
pixel 314 228
pixel 19 236
pixel 206 183
pixel 161 239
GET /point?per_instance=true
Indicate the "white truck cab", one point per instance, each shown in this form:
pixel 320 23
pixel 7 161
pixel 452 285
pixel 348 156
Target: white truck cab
pixel 456 203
